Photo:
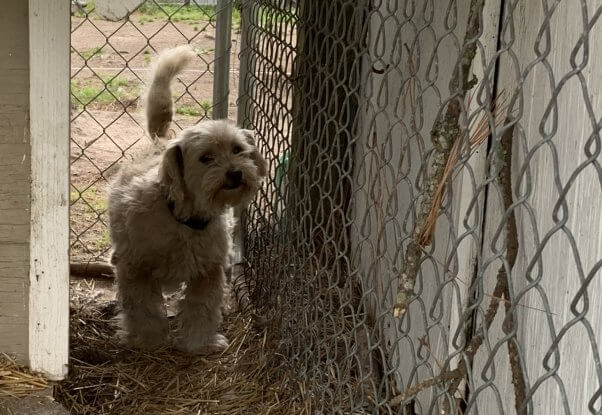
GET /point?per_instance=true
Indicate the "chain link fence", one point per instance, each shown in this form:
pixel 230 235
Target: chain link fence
pixel 429 239
pixel 110 58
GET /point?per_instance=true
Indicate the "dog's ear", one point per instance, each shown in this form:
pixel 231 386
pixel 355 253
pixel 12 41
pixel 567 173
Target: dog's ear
pixel 172 173
pixel 262 165
pixel 249 136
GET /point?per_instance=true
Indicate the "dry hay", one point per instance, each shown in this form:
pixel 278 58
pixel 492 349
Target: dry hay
pixel 17 381
pixel 109 378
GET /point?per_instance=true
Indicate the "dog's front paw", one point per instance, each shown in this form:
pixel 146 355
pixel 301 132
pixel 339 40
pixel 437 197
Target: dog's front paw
pixel 152 335
pixel 220 342
pixel 217 344
pixel 143 342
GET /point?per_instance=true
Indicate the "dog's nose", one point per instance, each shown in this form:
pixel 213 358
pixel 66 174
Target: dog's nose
pixel 233 178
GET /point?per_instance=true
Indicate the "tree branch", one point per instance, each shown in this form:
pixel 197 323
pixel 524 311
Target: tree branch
pixel 91 270
pixel 509 324
pixel 443 136
pixel 500 291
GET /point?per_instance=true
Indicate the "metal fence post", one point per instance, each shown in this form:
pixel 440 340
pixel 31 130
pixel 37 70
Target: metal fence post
pixel 243 94
pixel 241 115
pixel 223 45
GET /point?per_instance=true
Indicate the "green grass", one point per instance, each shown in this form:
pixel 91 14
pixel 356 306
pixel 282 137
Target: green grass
pixel 195 111
pixel 89 7
pixel 205 51
pixel 110 91
pixel 91 197
pixel 192 14
pixel 236 19
pixel 147 56
pixel 86 207
pixel 87 54
pixel 269 17
pixel 188 111
pixel 145 19
pixel 103 242
pixel 150 11
pixel 206 105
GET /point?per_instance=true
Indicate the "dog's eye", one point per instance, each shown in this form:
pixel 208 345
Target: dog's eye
pixel 236 149
pixel 206 158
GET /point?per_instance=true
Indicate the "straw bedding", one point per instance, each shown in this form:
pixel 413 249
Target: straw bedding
pixel 16 381
pixel 109 378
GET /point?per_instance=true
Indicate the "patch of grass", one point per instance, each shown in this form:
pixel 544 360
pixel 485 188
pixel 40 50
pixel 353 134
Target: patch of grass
pixel 87 54
pixel 206 105
pixel 103 241
pixel 85 94
pixel 147 56
pixel 195 111
pixel 145 19
pixel 189 111
pixel 151 11
pixel 107 91
pixel 192 14
pixel 91 198
pixel 86 11
pixel 236 18
pixel 269 17
pixel 205 51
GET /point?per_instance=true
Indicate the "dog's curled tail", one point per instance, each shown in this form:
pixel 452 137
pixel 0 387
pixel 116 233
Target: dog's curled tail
pixel 159 105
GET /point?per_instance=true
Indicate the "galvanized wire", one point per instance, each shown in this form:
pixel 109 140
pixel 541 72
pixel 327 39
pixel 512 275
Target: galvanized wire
pixel 413 258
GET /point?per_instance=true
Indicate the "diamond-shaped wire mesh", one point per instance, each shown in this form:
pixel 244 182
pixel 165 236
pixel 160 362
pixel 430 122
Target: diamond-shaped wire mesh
pixel 109 67
pixel 429 239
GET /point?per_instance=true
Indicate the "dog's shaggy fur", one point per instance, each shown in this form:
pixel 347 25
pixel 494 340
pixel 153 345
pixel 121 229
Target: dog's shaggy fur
pixel 171 221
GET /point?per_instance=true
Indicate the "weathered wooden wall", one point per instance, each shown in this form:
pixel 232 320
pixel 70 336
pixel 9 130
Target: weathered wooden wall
pixel 388 169
pixel 469 242
pixel 15 165
pixel 34 183
pixel 560 236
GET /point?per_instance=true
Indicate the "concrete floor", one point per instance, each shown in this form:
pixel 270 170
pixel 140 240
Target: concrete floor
pixel 39 404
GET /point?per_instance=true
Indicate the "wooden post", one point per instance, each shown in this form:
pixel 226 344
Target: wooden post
pixel 34 184
pixel 49 39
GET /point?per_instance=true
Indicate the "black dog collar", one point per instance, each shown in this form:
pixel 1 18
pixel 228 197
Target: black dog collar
pixel 194 222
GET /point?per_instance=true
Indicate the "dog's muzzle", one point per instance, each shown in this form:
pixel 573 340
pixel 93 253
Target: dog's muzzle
pixel 233 179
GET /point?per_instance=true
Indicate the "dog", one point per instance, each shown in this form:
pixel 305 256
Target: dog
pixel 171 220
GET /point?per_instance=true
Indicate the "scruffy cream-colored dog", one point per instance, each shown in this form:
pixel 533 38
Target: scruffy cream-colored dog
pixel 171 220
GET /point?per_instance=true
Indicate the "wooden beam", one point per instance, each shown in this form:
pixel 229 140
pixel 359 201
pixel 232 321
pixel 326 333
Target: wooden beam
pixel 49 39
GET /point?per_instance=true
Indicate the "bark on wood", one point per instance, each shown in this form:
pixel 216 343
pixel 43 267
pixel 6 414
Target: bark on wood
pixel 443 135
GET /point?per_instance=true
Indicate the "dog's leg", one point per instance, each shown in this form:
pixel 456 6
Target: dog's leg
pixel 201 314
pixel 143 319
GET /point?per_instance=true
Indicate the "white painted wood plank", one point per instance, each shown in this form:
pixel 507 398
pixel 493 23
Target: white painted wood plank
pixel 49 39
pixel 468 187
pixel 379 229
pixel 557 273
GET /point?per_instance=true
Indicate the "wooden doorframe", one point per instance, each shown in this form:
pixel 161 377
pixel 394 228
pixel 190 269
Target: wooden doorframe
pixel 49 72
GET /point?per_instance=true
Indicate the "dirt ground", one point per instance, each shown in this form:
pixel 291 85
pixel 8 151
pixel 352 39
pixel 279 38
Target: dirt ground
pixel 107 123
